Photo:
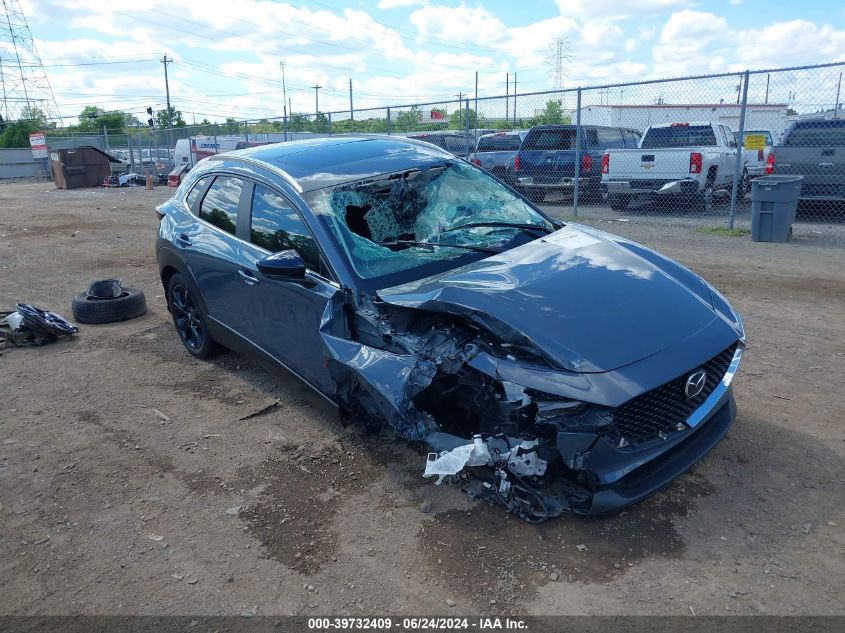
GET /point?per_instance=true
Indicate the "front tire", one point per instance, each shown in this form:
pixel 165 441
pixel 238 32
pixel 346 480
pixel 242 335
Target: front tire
pixel 190 322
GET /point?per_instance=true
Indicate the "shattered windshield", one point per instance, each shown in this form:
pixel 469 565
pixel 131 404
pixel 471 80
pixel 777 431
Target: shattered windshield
pixel 434 213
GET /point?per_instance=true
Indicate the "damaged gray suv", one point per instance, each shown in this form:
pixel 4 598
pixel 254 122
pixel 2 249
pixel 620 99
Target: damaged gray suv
pixel 547 367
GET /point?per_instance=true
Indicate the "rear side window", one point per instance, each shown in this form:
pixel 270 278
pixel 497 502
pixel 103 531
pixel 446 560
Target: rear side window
pixel 276 226
pixel 632 139
pixel 220 205
pixel 679 136
pixel 818 134
pixel 550 139
pixel 609 138
pixel 504 143
pixel 195 192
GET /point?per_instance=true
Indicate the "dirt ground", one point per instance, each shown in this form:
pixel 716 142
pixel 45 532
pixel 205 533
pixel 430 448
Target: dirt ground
pixel 130 484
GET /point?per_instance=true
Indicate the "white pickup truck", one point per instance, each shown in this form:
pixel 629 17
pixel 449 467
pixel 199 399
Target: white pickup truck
pixel 686 160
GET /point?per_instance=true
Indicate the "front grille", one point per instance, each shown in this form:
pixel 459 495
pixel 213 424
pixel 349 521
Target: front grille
pixel 658 411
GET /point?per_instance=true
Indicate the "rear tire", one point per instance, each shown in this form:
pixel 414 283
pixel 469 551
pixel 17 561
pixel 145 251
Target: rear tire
pixel 619 201
pixel 190 322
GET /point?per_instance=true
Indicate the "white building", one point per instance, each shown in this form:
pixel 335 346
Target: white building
pixel 759 116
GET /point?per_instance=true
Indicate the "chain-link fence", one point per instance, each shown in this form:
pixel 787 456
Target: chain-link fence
pixel 688 148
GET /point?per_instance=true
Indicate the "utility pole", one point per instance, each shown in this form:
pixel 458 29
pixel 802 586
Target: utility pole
pixel 284 99
pixel 166 61
pixel 351 109
pixel 460 97
pixel 768 76
pixel 316 98
pixel 284 87
pixel 476 107
pixel 514 98
pixel 507 97
pixel 838 90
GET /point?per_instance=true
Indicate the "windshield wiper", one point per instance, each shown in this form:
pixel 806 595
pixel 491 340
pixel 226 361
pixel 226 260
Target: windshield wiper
pixel 433 245
pixel 517 225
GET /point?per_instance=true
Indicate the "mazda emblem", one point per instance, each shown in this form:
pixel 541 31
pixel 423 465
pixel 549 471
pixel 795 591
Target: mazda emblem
pixel 695 383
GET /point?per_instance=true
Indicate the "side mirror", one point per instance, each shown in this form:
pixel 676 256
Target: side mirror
pixel 285 265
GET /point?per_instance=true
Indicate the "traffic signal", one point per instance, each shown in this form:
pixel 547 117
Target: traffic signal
pixel 150 121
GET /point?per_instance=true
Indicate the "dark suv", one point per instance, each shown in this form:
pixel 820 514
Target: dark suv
pixel 457 143
pixel 409 288
pixel 545 162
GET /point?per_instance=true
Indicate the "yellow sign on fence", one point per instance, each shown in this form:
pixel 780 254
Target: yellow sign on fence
pixel 755 141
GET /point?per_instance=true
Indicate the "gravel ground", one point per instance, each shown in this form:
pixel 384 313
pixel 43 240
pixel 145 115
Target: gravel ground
pixel 130 482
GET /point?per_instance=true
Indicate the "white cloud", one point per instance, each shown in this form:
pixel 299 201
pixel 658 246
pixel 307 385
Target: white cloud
pixel 459 24
pixel 433 57
pixel 394 4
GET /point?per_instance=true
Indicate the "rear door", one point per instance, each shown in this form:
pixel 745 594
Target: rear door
pixel 211 248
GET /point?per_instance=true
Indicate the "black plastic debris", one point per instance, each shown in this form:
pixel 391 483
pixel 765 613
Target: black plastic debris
pixel 29 326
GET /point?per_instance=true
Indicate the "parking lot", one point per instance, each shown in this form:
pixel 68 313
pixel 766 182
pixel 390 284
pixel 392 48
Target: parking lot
pixel 133 481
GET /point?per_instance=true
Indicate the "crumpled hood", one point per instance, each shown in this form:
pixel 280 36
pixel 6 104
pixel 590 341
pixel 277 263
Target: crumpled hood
pixel 588 300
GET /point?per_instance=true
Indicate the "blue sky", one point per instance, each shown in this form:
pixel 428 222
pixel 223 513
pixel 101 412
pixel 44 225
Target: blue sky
pixel 227 53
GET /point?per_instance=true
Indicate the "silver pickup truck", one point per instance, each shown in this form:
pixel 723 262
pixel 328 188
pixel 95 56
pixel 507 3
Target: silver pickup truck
pixel 495 153
pixel 815 149
pixel 689 161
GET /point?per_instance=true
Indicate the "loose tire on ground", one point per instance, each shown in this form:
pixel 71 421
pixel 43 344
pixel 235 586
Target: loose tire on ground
pixel 130 304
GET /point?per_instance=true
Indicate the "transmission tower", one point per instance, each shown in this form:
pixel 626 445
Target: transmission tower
pixel 24 81
pixel 559 53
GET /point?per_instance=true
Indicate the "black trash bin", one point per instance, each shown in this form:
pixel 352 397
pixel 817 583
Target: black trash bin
pixel 774 200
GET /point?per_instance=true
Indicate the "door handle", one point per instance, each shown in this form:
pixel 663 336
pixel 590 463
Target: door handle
pixel 825 164
pixel 247 277
pixel 183 240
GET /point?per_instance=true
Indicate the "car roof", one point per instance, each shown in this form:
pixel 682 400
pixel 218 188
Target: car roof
pixel 324 162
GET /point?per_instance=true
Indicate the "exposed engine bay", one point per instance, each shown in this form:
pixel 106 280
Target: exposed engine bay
pixel 498 440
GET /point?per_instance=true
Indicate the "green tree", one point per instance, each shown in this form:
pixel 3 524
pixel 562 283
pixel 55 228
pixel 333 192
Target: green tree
pixel 458 119
pixel 16 133
pixel 407 120
pixel 92 119
pixel 552 113
pixel 168 115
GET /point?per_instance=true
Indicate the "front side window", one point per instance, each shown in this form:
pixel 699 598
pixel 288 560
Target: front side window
pixel 220 205
pixel 276 226
pixel 435 214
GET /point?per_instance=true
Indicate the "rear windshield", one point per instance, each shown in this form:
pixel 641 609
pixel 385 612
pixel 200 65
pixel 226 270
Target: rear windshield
pixel 504 143
pixel 679 136
pixel 817 134
pixel 550 139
